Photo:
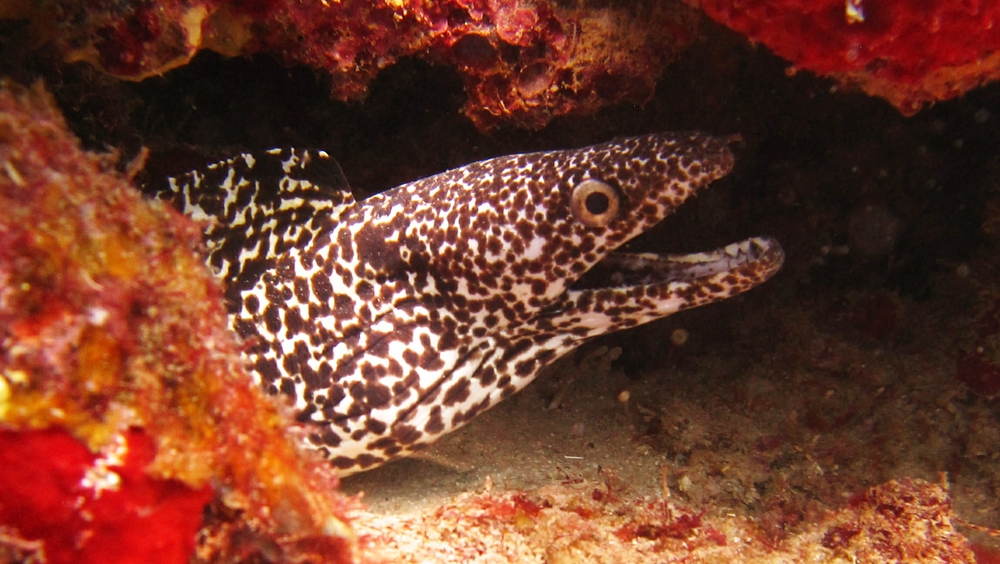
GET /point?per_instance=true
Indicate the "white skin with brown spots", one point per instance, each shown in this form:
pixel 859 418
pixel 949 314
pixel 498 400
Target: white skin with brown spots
pixel 392 321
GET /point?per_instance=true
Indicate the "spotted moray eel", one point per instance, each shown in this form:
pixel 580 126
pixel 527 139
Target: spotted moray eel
pixel 392 321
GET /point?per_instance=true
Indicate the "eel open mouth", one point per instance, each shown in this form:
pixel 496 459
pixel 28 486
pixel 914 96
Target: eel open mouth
pixel 739 265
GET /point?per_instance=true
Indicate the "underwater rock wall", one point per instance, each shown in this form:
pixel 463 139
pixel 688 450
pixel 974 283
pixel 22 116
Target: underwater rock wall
pixel 521 62
pixel 525 63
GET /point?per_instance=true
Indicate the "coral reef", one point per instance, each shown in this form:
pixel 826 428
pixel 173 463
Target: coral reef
pixel 525 63
pixel 118 512
pixel 900 521
pixel 522 62
pixel 124 406
pixel 910 53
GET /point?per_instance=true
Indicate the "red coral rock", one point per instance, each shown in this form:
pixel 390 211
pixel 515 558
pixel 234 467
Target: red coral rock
pixel 899 521
pixel 682 527
pixel 132 40
pixel 985 554
pixel 522 62
pixel 86 508
pixel 912 53
pixel 110 322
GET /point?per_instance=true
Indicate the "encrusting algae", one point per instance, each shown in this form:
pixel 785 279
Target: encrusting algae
pixel 121 391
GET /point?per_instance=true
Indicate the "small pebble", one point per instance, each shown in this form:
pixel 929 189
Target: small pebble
pixel 679 337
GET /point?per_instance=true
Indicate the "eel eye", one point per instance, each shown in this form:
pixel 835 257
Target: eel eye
pixel 594 203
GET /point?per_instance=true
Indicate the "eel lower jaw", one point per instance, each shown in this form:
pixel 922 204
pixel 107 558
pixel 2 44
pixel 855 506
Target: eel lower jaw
pixel 740 266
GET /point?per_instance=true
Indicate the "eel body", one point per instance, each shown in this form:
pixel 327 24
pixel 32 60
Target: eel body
pixel 391 321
